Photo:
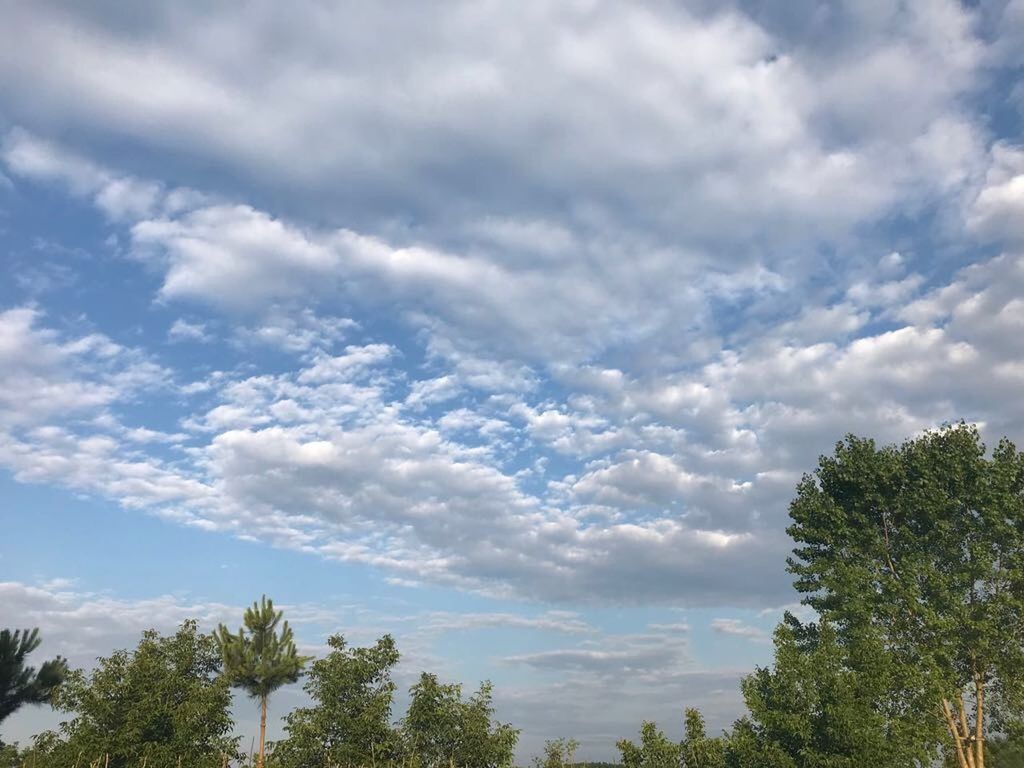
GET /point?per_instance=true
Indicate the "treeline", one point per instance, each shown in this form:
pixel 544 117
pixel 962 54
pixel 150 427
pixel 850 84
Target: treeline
pixel 911 557
pixel 168 703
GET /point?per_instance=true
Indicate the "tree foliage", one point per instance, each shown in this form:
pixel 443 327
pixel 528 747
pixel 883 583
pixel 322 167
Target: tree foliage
pixel 349 722
pixel 440 729
pixel 558 753
pixel 924 543
pixel 1006 750
pixel 21 684
pixel 655 750
pixel 162 702
pixel 831 704
pixel 699 750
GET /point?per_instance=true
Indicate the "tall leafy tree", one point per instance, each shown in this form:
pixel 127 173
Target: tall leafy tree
pixel 440 729
pixel 260 658
pixel 924 543
pixel 698 749
pixel 485 742
pixel 349 722
pixel 21 684
pixel 829 702
pixel 655 750
pixel 162 702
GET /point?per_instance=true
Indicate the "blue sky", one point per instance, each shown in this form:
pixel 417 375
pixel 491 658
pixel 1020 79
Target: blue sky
pixel 507 328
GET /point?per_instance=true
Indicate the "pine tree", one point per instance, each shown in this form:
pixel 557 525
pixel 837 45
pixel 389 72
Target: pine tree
pixel 19 684
pixel 259 659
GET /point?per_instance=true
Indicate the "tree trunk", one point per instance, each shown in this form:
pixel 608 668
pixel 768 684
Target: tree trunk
pixel 965 732
pixel 263 729
pixel 954 731
pixel 979 722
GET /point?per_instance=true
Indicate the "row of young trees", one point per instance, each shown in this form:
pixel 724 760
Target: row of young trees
pixel 168 702
pixel 912 557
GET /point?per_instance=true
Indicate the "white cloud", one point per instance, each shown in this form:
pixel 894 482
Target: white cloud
pixel 541 154
pixel 998 210
pixel 43 375
pixel 619 384
pixel 562 85
pixel 183 330
pixel 296 331
pixel 685 503
pixel 119 197
pixel 738 628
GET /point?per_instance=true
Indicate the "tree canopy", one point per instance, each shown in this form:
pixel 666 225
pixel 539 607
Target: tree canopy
pixel 832 703
pixel 349 721
pixel 923 543
pixel 162 702
pixel 441 729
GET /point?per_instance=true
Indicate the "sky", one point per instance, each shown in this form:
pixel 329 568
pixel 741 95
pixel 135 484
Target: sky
pixel 506 328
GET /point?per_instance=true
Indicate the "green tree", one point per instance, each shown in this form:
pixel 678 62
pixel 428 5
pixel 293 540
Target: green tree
pixel 349 722
pixel 20 684
pixel 655 750
pixel 10 756
pixel 431 725
pixel 162 702
pixel 1006 750
pixel 924 543
pixel 440 729
pixel 260 659
pixel 558 753
pixel 698 749
pixel 828 703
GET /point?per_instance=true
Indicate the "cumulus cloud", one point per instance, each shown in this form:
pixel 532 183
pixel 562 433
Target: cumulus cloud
pixel 563 85
pixel 567 159
pixel 183 330
pixel 998 209
pixel 616 358
pixel 122 197
pixel 43 374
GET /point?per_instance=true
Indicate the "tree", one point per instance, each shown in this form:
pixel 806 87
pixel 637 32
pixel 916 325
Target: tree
pixel 162 702
pixel 1006 750
pixel 19 684
pixel 558 753
pixel 259 659
pixel 698 749
pixel 440 729
pixel 831 703
pixel 655 750
pixel 350 720
pixel 924 543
